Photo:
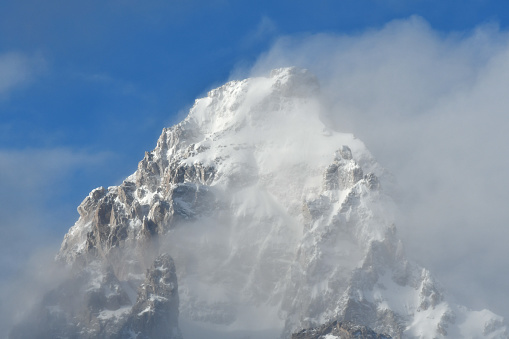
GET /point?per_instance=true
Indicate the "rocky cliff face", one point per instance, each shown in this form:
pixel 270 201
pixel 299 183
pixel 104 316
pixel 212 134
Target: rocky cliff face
pixel 276 223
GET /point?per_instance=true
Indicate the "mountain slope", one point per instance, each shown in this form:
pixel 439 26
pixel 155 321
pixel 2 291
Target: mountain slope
pixel 275 222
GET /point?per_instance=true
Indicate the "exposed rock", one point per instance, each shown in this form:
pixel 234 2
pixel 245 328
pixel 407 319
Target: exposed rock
pixel 155 314
pixel 339 330
pixel 344 172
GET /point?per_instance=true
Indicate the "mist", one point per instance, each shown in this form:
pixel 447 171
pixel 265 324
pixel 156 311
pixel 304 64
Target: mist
pixel 33 218
pixel 432 108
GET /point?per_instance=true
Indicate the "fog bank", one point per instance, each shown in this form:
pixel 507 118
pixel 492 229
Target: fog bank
pixel 432 108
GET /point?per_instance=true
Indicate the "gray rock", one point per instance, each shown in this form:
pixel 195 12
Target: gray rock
pixel 339 329
pixel 155 314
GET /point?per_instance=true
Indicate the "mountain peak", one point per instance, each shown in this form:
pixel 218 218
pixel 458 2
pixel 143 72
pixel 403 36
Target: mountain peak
pixel 275 223
pixel 257 102
pixel 294 81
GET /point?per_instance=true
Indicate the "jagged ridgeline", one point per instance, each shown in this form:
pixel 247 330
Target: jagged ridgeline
pixel 273 223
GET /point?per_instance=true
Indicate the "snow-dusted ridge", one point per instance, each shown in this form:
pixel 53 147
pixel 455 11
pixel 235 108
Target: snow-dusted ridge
pixel 275 222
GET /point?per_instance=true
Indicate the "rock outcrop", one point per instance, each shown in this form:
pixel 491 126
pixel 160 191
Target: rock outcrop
pixel 155 313
pixel 339 330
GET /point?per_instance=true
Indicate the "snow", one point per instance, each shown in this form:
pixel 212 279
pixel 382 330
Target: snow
pixel 481 324
pixel 425 322
pixel 389 295
pixel 270 155
pixel 114 314
pixel 158 298
pixel 146 310
pixel 148 198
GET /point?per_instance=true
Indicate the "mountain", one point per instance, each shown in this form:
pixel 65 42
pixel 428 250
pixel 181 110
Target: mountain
pixel 274 222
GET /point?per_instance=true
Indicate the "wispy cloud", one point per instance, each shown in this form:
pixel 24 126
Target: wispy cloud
pixel 265 30
pixel 263 34
pixel 31 181
pixel 432 107
pixel 18 70
pixel 117 85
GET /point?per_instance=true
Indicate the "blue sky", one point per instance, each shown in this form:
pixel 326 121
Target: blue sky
pixel 86 87
pixel 106 76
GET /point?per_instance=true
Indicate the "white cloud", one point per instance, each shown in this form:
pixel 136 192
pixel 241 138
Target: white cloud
pixel 17 70
pixel 432 108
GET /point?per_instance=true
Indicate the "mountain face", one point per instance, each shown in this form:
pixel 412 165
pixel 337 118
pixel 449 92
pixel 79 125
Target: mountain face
pixel 275 223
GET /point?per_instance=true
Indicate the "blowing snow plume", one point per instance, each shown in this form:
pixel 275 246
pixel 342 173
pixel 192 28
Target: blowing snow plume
pixel 275 222
pixel 433 109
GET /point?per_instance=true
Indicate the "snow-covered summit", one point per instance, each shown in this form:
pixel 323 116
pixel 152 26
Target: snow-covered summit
pixel 250 101
pixel 275 222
